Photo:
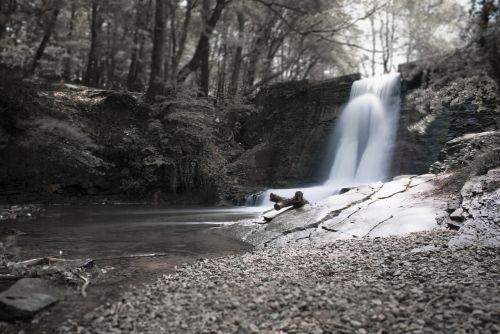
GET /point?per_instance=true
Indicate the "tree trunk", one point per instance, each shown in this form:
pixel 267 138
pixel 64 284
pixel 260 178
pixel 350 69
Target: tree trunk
pixel 205 52
pixel 256 51
pixel 310 67
pixel 46 36
pixel 172 50
pixel 112 34
pixel 3 23
pixel 238 56
pixel 196 61
pixel 135 68
pixel 222 66
pixel 182 41
pixel 91 77
pixel 374 43
pixel 69 52
pixel 157 56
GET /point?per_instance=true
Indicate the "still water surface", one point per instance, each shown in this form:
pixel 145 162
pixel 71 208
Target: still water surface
pixel 111 231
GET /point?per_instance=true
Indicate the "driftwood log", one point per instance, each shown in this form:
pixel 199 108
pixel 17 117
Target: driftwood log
pixel 296 201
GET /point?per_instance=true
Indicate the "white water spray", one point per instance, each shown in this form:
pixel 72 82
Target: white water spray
pixel 366 130
pixel 364 138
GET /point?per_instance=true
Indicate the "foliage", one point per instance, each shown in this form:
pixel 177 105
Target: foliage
pixel 110 44
pixel 409 30
pixel 484 161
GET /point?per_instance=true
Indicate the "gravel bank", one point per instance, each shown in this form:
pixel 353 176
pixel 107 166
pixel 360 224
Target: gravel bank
pixel 413 284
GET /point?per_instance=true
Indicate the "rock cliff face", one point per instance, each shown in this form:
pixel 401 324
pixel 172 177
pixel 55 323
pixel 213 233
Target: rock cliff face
pixel 446 99
pixel 72 143
pixel 286 139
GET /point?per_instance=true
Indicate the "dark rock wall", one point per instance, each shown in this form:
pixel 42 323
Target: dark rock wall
pixel 61 143
pixel 287 138
pixel 443 99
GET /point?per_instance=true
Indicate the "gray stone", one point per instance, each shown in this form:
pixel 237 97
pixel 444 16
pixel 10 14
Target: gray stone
pixel 454 203
pixel 27 297
pixel 457 215
pixel 481 201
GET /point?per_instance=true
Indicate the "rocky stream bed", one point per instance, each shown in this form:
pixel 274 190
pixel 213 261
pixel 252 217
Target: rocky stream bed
pixel 413 284
pixel 394 257
pixel 439 280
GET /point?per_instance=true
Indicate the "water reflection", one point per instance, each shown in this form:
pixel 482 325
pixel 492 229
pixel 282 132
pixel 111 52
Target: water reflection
pixel 106 231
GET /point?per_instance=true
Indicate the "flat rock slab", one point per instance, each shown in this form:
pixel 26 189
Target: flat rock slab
pixel 401 206
pixel 27 297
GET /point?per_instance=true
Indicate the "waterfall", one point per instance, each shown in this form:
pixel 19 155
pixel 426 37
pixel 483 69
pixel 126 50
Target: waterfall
pixel 363 139
pixel 366 130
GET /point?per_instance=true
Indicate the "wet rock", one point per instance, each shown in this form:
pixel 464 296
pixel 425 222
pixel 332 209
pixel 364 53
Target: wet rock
pixel 27 297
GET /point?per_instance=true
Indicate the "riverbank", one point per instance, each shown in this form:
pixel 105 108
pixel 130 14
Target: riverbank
pixel 121 246
pixel 416 283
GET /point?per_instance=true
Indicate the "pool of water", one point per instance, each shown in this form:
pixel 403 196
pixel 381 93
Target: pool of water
pixel 113 236
pixel 121 230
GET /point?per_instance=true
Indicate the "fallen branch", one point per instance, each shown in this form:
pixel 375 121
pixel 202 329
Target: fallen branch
pixel 269 215
pixel 84 286
pixel 296 201
pixel 133 256
pixel 40 261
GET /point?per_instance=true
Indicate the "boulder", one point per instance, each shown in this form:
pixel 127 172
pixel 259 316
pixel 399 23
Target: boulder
pixel 27 297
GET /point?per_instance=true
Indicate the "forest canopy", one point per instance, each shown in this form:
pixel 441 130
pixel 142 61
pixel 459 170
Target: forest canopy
pixel 224 48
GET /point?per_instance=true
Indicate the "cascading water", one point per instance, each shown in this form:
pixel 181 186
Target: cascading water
pixel 363 139
pixel 365 131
